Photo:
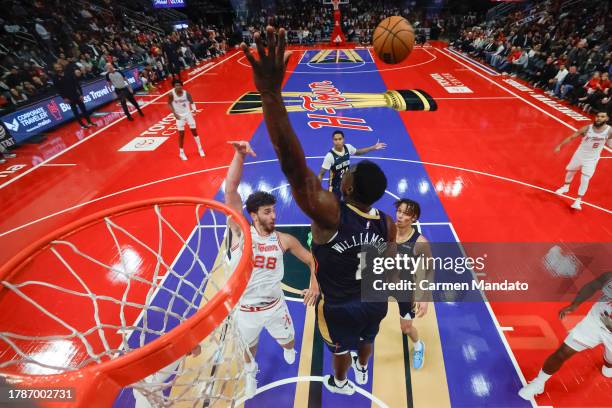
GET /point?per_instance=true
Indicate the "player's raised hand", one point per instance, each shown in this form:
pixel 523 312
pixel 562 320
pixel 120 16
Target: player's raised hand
pixel 269 69
pixel 243 147
pixel 567 309
pixel 379 145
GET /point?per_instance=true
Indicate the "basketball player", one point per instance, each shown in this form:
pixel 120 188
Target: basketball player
pixel 262 304
pixel 338 160
pixel 412 243
pixel 182 107
pixel 593 330
pixel 338 227
pixel 594 138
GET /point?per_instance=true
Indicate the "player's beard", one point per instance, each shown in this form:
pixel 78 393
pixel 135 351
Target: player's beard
pixel 599 124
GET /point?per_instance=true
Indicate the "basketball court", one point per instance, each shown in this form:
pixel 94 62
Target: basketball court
pixel 482 168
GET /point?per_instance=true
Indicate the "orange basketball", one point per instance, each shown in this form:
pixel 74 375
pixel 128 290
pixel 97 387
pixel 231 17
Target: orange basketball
pixel 393 39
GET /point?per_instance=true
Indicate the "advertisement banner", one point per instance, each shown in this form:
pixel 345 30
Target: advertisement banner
pixel 41 116
pixel 168 3
pixel 6 140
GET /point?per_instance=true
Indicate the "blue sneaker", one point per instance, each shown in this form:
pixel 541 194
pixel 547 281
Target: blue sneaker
pixel 418 357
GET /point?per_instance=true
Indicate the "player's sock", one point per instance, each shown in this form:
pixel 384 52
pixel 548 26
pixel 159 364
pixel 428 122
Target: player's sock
pixel 340 383
pixel 361 372
pixel 289 355
pixel 542 377
pixel 418 346
pixel 200 150
pixel 182 154
pixel 584 184
pixel 250 380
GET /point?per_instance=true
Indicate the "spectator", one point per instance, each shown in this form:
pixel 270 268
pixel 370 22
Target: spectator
pixel 18 97
pixel 546 73
pixel 569 82
pixel 68 87
pixel 554 84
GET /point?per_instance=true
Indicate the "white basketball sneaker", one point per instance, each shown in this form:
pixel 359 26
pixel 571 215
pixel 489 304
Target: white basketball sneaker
pixel 346 389
pixel 606 371
pixel 531 390
pixel 289 355
pixel 182 155
pixel 563 189
pixel 576 205
pixel 201 152
pixel 361 374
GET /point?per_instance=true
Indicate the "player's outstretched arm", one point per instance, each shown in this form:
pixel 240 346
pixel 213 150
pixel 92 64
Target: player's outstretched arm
pixel 234 175
pixel 268 72
pixel 379 145
pixel 585 293
pixel 580 132
pixel 291 244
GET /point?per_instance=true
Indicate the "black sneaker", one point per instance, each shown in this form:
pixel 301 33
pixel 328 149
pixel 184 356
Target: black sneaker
pixel 347 389
pixel 140 113
pixel 131 119
pixel 83 125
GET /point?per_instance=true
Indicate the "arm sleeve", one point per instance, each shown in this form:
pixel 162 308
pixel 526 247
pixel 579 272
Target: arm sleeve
pixel 327 161
pixel 351 149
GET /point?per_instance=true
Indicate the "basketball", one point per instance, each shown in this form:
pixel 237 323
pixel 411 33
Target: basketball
pixel 393 39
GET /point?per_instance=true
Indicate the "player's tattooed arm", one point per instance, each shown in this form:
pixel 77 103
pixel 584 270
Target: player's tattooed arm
pixel 321 174
pixel 294 246
pixel 585 293
pixel 232 180
pixel 424 272
pixel 377 146
pixel 580 132
pixel 268 72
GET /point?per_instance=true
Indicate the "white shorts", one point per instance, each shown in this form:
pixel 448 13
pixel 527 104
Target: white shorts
pixel 188 117
pixel 586 166
pixel 276 320
pixel 589 333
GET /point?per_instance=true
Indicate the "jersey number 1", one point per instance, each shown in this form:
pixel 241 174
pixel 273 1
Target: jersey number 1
pixel 362 265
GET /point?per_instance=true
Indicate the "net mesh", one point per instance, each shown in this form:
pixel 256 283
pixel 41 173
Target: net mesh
pixel 117 285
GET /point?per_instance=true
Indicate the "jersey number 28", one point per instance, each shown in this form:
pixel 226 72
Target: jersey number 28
pixel 265 263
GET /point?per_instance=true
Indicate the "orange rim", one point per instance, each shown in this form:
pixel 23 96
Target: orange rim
pixel 98 384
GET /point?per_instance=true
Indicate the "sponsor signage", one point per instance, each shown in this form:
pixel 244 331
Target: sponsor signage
pixel 168 3
pixel 48 113
pixel 6 140
pixel 450 83
pixel 143 144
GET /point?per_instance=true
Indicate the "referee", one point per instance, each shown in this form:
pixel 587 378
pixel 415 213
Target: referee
pixel 123 89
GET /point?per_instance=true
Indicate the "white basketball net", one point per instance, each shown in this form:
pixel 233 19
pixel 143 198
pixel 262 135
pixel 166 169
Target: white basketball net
pixel 100 297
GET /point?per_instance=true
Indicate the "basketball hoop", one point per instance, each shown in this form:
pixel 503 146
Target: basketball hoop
pixel 336 4
pixel 121 300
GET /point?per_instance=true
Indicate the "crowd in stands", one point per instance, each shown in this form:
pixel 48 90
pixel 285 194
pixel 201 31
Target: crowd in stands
pixel 311 21
pixel 83 37
pixel 565 50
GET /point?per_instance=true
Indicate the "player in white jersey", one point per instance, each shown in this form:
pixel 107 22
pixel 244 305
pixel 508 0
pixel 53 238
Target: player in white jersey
pixel 594 138
pixel 593 330
pixel 182 107
pixel 262 304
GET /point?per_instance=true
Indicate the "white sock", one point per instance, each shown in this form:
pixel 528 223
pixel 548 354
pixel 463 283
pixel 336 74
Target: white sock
pixel 542 377
pixel 361 367
pixel 418 346
pixel 197 140
pixel 340 383
pixel 181 150
pixel 584 184
pixel 252 366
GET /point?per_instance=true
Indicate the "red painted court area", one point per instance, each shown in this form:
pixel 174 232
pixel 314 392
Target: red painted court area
pixel 488 152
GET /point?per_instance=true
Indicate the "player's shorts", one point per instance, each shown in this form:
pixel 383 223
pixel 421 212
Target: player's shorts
pixel 346 325
pixel 407 308
pixel 275 318
pixel 586 166
pixel 590 333
pixel 186 118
